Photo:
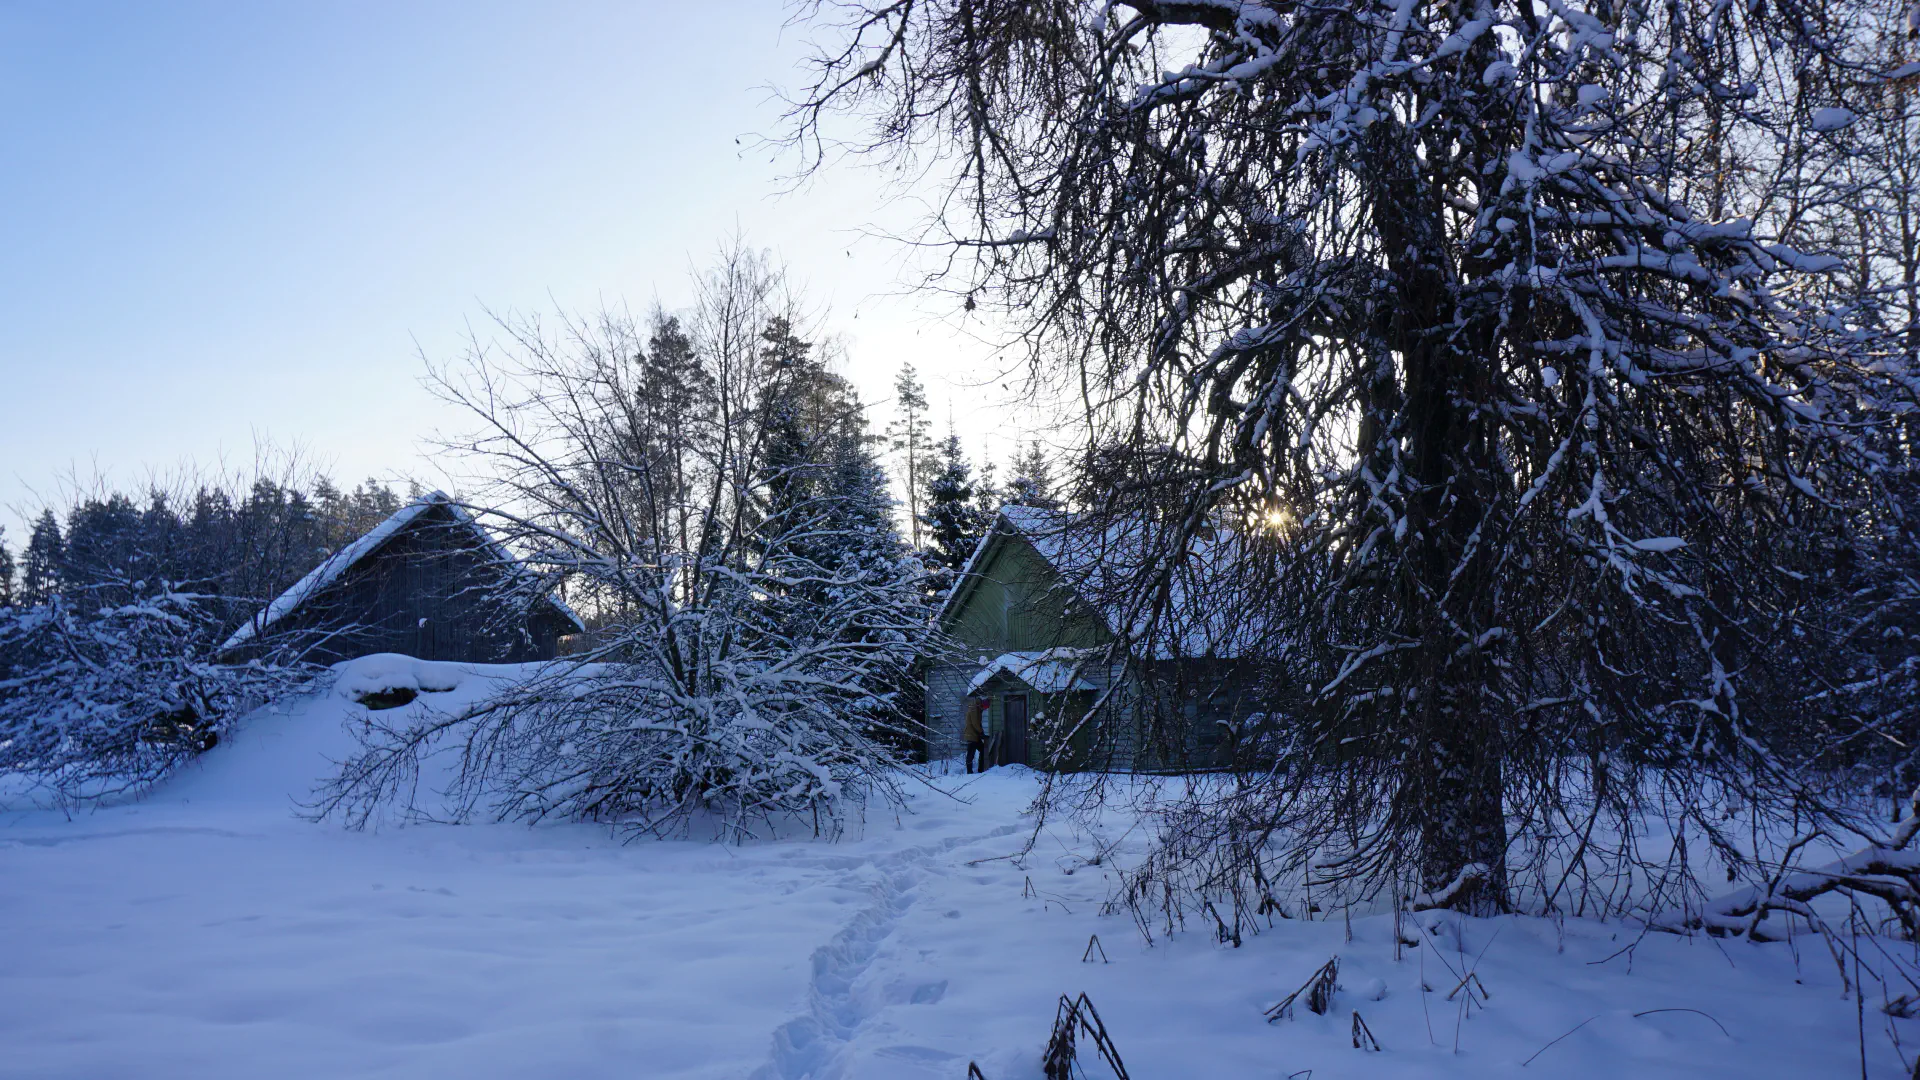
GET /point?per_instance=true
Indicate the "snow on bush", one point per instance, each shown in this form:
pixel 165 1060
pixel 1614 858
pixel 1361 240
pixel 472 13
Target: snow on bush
pixel 105 699
pixel 709 494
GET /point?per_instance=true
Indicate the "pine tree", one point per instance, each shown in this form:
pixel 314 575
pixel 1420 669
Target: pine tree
pixel 43 562
pixel 909 437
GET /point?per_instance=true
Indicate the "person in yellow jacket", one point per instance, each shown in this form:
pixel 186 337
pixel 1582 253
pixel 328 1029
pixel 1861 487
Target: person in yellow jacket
pixel 973 733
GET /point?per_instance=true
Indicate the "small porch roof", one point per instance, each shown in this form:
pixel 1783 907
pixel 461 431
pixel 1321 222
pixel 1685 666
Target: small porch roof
pixel 1050 671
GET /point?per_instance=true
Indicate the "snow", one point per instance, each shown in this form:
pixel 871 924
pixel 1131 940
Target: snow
pixel 1832 119
pixel 1101 561
pixel 330 568
pixel 1050 671
pixel 209 933
pixel 392 671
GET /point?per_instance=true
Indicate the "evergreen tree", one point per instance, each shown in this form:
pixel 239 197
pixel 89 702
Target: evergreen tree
pixel 675 396
pixel 1032 481
pixel 6 571
pixel 910 437
pixel 953 521
pixel 807 415
pixel 104 547
pixel 43 561
pixel 986 490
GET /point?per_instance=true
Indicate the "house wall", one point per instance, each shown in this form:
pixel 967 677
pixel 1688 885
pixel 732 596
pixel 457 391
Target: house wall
pixel 425 593
pixel 1014 601
pixel 1017 602
pixel 1114 746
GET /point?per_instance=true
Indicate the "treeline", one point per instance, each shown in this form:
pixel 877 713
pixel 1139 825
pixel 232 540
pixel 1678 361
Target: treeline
pixel 241 542
pixel 113 615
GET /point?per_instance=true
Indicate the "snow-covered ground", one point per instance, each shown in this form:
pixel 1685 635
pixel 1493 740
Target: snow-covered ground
pixel 208 932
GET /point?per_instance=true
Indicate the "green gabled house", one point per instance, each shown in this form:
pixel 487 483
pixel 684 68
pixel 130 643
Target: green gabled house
pixel 1030 628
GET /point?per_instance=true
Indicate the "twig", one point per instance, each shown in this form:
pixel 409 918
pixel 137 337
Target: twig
pixel 1362 1037
pixel 1474 979
pixel 1549 1046
pixel 1093 942
pixel 1716 1023
pixel 1319 991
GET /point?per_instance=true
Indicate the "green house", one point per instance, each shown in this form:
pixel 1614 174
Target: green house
pixel 1030 632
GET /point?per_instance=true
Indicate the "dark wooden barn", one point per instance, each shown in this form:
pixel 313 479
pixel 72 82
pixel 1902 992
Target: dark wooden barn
pixel 429 582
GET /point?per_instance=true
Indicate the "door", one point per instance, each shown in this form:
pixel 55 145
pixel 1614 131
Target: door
pixel 1013 726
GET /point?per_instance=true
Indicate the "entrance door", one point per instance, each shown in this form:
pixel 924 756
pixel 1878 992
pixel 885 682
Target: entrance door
pixel 1013 741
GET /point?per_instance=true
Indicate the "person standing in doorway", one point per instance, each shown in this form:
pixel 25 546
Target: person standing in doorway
pixel 973 733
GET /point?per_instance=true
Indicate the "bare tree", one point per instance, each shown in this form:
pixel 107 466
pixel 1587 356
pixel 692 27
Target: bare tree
pixel 707 489
pixel 1494 312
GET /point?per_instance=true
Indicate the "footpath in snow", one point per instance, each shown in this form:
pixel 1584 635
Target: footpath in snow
pixel 208 932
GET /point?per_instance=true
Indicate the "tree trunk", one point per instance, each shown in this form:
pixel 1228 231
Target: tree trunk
pixel 1451 779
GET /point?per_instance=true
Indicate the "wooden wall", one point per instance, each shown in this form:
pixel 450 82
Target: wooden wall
pixel 428 593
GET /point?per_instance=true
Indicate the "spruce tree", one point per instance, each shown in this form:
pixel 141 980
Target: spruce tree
pixel 954 522
pixel 1032 481
pixel 43 561
pixel 6 571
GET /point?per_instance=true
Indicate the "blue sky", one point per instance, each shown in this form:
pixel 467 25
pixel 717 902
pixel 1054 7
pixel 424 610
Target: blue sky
pixel 236 220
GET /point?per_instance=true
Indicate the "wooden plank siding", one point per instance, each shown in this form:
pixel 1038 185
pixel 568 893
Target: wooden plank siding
pixel 428 592
pixel 1014 600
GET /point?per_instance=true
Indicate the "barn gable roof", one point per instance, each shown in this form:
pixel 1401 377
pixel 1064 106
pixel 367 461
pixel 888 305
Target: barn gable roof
pixel 337 564
pixel 1099 560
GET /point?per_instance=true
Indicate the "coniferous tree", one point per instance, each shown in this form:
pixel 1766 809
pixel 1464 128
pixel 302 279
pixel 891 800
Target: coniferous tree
pixel 953 519
pixel 1032 481
pixel 909 437
pixel 986 492
pixel 43 560
pixel 7 595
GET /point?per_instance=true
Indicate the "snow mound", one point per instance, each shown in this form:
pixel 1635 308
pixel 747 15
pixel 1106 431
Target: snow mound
pixel 357 679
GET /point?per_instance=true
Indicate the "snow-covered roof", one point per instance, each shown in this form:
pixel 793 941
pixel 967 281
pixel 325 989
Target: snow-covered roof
pixel 1102 561
pixel 320 577
pixel 1050 671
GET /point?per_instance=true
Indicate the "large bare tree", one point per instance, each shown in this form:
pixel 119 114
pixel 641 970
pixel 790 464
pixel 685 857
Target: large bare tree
pixel 1511 318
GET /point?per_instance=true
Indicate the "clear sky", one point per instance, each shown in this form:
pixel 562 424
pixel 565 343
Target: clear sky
pixel 233 220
